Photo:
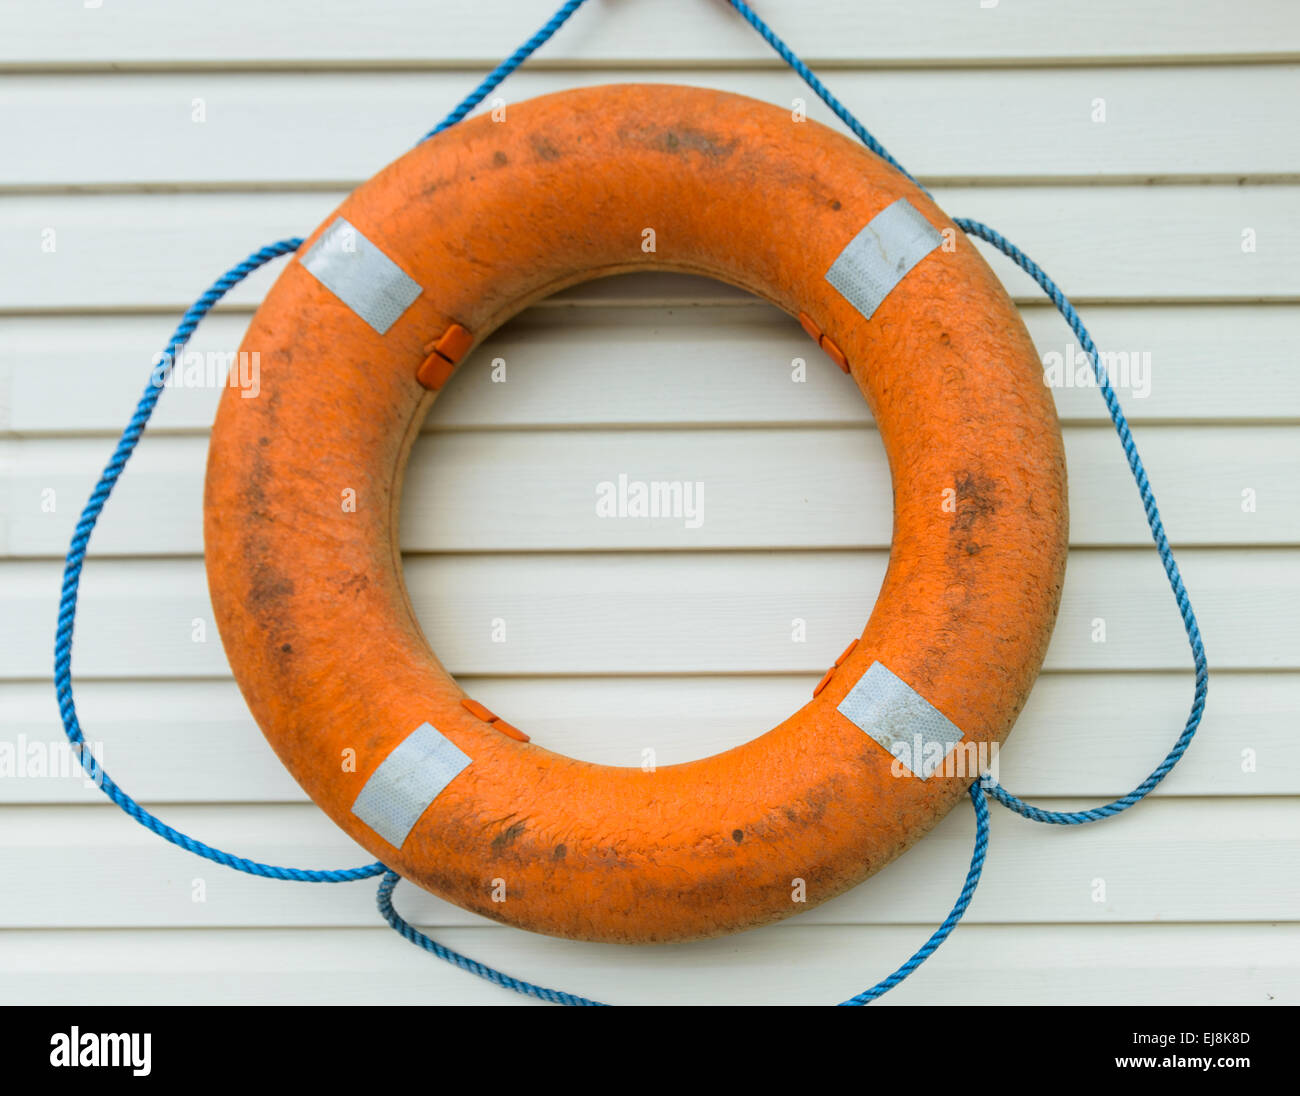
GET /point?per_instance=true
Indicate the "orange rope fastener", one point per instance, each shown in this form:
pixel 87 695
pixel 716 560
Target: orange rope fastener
pixel 479 711
pixel 826 677
pixel 445 353
pixel 824 341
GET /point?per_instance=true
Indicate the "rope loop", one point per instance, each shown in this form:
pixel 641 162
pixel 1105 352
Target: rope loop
pixel 384 900
pixel 131 435
pixel 558 997
pixel 75 563
pixel 964 897
pixel 1067 310
pixel 1193 630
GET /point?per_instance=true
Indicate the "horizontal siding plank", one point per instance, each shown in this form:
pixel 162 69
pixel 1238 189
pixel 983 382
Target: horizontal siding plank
pixel 1149 864
pixel 145 251
pixel 980 965
pixel 633 613
pixel 409 32
pixel 693 366
pixel 1244 746
pixel 1159 123
pixel 526 491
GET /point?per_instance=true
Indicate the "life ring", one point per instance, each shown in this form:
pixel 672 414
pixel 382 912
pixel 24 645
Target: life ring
pixel 369 321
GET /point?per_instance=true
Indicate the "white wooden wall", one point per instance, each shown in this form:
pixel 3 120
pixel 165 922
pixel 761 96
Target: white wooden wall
pixel 1141 217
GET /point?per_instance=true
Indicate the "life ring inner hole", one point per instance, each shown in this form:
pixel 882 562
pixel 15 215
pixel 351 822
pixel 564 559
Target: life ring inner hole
pixel 656 623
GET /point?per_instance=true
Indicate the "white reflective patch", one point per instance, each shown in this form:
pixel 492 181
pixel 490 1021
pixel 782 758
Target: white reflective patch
pixel 407 781
pixel 360 275
pixel 901 720
pixel 882 254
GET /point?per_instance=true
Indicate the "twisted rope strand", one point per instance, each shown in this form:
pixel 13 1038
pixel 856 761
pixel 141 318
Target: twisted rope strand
pixel 942 933
pixel 75 563
pixel 472 966
pixel 1190 626
pixel 822 91
pixel 498 74
pixel 559 997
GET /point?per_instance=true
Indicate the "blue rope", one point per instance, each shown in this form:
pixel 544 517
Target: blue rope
pixel 195 313
pixel 493 78
pixel 72 584
pixel 1063 305
pixel 559 997
pixel 950 922
pixel 76 557
pixel 823 92
pixel 473 966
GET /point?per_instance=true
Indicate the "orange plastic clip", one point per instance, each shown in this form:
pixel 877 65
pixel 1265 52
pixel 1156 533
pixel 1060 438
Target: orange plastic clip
pixel 444 353
pixel 477 710
pixel 510 730
pixel 480 712
pixel 819 337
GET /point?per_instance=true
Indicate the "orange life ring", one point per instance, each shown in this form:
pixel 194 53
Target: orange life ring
pixel 369 321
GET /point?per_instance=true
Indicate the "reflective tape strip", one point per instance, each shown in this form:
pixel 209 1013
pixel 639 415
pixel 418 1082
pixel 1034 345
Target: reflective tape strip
pixel 901 720
pixel 407 781
pixel 882 254
pixel 360 275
